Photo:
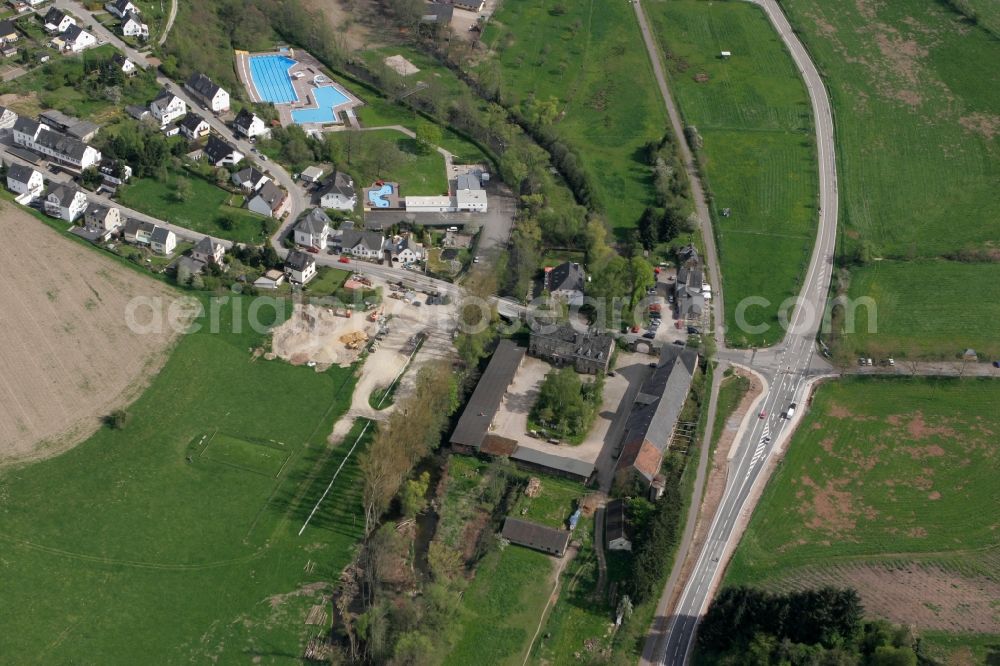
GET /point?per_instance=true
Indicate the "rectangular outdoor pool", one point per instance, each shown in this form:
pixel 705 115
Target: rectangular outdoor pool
pixel 270 78
pixel 327 97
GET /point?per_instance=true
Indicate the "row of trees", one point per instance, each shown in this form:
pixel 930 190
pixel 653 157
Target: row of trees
pixel 749 626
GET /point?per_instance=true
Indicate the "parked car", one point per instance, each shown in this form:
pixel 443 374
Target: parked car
pixel 694 330
pixel 649 335
pixel 344 260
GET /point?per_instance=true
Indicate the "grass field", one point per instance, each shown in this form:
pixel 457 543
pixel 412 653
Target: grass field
pixel 418 172
pixel 132 544
pixel 590 57
pixel 327 281
pixel 952 307
pixel 202 210
pixel 752 112
pixel 731 392
pixel 889 486
pixel 915 92
pixel 267 458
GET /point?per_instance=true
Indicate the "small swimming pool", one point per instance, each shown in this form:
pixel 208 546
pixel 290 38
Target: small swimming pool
pixel 327 97
pixel 377 197
pixel 271 79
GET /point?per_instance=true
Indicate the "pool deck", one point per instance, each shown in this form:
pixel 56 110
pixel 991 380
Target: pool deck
pixel 310 68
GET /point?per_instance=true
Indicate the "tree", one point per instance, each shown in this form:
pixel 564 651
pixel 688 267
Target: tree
pixel 381 153
pixel 428 135
pixel 412 500
pixel 414 649
pixel 182 190
pixel 118 419
pixel 647 224
pixel 887 655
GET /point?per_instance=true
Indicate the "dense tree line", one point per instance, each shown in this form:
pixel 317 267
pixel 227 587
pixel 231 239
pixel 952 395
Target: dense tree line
pixel 142 147
pixel 749 626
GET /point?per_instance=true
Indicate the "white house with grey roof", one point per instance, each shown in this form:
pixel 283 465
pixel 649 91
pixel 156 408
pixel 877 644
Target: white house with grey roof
pixel 208 251
pixel 362 244
pixel 300 267
pixel 133 26
pixel 313 229
pixel 102 220
pixel 167 107
pixel 162 240
pixel 207 91
pixel 249 179
pixel 220 153
pixel 75 39
pixel 338 192
pixel 249 124
pixel 25 182
pixel 121 8
pixel 65 202
pixel 405 250
pixel 194 126
pixel 269 200
pixel 57 21
pixel 565 282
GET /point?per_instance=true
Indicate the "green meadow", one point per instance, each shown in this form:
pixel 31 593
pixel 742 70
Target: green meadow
pixel 757 152
pixel 589 57
pixel 915 89
pixel 176 538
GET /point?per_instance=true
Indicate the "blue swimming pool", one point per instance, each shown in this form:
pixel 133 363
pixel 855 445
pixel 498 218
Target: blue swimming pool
pixel 377 197
pixel 327 97
pixel 270 78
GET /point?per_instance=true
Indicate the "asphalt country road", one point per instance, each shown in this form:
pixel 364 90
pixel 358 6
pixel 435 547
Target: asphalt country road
pixel 785 369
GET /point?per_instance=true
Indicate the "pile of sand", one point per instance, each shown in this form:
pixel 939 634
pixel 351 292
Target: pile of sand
pixel 313 333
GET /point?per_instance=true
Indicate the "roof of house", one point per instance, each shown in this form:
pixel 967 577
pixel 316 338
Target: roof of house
pixel 54 16
pixel 571 343
pixel 7 28
pixel 553 462
pixel 122 5
pixel 132 17
pixel 339 183
pixel 137 112
pixel 533 535
pixel 64 193
pixel 203 85
pixel 82 129
pixel 217 150
pixel 298 261
pixel 614 520
pixel 655 410
pixel 26 125
pixel 485 400
pixel 20 173
pixel 313 222
pixel 160 235
pixel 271 194
pixel 371 240
pixel 438 13
pixel 467 181
pixel 244 118
pixel 207 245
pixel 119 59
pixel 98 210
pixel 132 226
pixel 165 95
pixel 567 276
pixel 73 32
pixel 312 172
pixel 249 175
pixel 192 121
pixel 61 144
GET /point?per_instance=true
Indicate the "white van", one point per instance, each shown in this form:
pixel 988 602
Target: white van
pixel 790 412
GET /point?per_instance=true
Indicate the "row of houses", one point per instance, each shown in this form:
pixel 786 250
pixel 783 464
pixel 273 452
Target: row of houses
pixel 315 230
pixel 96 221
